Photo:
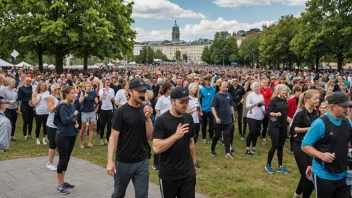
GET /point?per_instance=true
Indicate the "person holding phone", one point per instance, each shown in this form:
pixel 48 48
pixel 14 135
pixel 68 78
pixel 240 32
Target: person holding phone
pixel 177 170
pixel 39 98
pixel 106 97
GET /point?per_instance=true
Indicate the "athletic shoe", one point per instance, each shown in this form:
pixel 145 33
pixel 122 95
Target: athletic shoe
pixel 242 138
pixel 269 169
pixel 229 155
pixel 51 166
pixel 255 151
pixel 221 141
pixel 296 196
pixel 197 165
pixel 67 185
pixel 106 141
pixel 44 142
pixel 282 170
pixel 205 141
pixel 25 138
pixel 154 167
pixel 212 153
pixel 30 137
pixel 248 152
pixel 62 190
pixel 264 142
pixel 90 145
pixel 101 142
pixel 13 139
pixel 38 142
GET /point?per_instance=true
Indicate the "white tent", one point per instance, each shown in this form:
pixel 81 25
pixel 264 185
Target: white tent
pixel 5 64
pixel 23 64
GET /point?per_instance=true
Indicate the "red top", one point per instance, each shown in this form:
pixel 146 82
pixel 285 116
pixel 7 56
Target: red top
pixel 267 93
pixel 292 107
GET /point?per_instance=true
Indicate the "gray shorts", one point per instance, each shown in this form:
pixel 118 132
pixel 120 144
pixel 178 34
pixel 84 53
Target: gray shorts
pixel 88 116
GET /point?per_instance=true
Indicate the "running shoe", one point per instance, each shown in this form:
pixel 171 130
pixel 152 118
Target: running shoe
pixel 205 141
pixel 255 151
pixel 68 185
pixel 44 142
pixel 197 165
pixel 90 145
pixel 25 138
pixel 101 142
pixel 154 167
pixel 269 169
pixel 248 152
pixel 62 190
pixel 282 169
pixel 296 196
pixel 30 137
pixel 51 167
pixel 264 142
pixel 81 146
pixel 212 153
pixel 229 155
pixel 38 142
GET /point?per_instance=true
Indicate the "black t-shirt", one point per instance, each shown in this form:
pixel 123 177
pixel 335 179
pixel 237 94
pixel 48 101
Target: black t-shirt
pixel 302 119
pixel 132 145
pixel 237 93
pixel 278 105
pixel 176 162
pixel 223 104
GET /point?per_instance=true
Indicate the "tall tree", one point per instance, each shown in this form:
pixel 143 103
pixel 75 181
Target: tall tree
pixel 184 57
pixel 178 55
pixel 206 55
pixel 249 49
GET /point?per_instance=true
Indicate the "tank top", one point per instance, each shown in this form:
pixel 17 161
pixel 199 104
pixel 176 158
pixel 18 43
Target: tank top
pixel 41 108
pixel 50 121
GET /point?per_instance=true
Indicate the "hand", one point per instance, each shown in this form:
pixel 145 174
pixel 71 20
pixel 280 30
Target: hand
pixel 309 174
pixel 278 114
pixel 181 130
pixel 76 125
pixel 76 113
pixel 218 121
pixel 40 98
pixel 327 157
pixel 85 95
pixel 148 111
pixel 11 102
pixel 110 168
pixel 201 113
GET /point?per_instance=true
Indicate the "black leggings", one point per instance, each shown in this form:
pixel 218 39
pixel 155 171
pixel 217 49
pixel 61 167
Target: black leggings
pixel 265 123
pixel 105 119
pixel 11 114
pixel 254 131
pixel 64 146
pixel 207 115
pixel 227 131
pixel 303 160
pixel 278 137
pixel 196 131
pixel 244 126
pixel 28 116
pixel 40 120
pixel 239 110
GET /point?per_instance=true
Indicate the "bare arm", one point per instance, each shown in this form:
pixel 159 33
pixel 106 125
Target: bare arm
pixel 214 112
pixel 149 128
pixel 160 145
pixel 192 147
pixel 35 102
pixel 113 141
pixel 51 105
pixel 301 130
pixel 326 157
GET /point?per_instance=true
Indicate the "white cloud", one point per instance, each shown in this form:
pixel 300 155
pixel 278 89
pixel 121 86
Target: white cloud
pixel 205 29
pixel 161 9
pixel 238 3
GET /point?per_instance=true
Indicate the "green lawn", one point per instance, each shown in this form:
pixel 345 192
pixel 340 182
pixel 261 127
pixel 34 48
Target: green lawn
pixel 243 176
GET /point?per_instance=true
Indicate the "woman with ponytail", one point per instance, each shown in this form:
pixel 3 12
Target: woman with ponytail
pixel 301 122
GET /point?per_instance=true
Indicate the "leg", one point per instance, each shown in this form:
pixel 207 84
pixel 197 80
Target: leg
pixel 274 136
pixel 14 115
pixel 211 125
pixel 98 123
pixel 252 131
pixel 282 139
pixel 141 179
pixel 25 117
pixel 343 190
pixel 81 133
pixel 218 130
pixel 122 178
pixel 204 125
pixel 239 119
pixel 52 144
pixel 227 137
pixel 71 145
pixel 169 188
pixel 38 121
pixel 258 124
pixel 45 119
pixel 103 120
pixel 324 188
pixel 265 125
pixel 62 144
pixel 188 187
pixel 30 125
pixel 244 126
pixel 196 128
pixel 109 123
pixel 91 126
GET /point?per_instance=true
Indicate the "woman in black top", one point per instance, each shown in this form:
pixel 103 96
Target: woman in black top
pixel 301 122
pixel 277 112
pixel 25 97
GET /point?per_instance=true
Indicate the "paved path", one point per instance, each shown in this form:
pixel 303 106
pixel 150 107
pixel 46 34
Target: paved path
pixel 29 178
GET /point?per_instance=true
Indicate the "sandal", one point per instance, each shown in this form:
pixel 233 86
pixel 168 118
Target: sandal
pixel 81 146
pixel 90 145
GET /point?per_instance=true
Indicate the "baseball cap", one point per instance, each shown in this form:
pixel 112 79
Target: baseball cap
pixel 138 84
pixel 339 98
pixel 179 93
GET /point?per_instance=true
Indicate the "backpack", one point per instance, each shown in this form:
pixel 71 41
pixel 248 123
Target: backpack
pixel 57 119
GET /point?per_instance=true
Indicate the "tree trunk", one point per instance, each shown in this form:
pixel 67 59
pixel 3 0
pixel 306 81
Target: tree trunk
pixel 59 59
pixel 339 62
pixel 40 58
pixel 317 58
pixel 85 64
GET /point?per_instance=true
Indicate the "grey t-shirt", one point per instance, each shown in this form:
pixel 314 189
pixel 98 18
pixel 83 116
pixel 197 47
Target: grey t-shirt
pixel 10 94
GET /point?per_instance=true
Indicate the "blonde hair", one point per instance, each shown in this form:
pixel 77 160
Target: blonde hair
pixel 306 95
pixel 277 89
pixel 54 86
pixel 254 84
pixel 149 94
pixel 192 85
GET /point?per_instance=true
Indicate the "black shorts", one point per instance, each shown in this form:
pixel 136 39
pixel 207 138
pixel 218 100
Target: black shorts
pixel 51 137
pixel 181 188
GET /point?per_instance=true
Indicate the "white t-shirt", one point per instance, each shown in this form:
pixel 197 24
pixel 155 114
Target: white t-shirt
pixel 163 104
pixel 42 108
pixel 106 104
pixel 255 112
pixel 121 97
pixel 194 104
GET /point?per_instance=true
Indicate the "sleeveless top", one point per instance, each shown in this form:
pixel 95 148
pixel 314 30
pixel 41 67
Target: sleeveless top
pixel 41 108
pixel 50 121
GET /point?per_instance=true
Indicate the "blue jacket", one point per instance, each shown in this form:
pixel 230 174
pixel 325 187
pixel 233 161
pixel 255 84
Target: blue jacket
pixel 67 124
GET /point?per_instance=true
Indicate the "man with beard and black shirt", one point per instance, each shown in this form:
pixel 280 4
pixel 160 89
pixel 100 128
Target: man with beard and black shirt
pixel 132 127
pixel 177 170
pixel 237 92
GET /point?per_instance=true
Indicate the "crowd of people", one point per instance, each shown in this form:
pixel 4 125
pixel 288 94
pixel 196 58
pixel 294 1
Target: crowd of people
pixel 170 105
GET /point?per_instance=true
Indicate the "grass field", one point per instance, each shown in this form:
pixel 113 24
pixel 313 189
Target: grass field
pixel 243 176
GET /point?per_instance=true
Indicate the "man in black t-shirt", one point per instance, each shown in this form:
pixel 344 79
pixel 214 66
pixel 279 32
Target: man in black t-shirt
pixel 177 170
pixel 131 129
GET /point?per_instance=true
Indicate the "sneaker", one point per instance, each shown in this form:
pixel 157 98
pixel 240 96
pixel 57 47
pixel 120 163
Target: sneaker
pixel 255 151
pixel 296 196
pixel 25 138
pixel 38 142
pixel 242 138
pixel 51 167
pixel 197 165
pixel 106 141
pixel 212 153
pixel 44 142
pixel 154 167
pixel 282 169
pixel 229 155
pixel 269 169
pixel 90 145
pixel 67 185
pixel 30 137
pixel 81 146
pixel 264 142
pixel 248 152
pixel 62 190
pixel 101 142
pixel 205 141
pixel 13 139
pixel 221 141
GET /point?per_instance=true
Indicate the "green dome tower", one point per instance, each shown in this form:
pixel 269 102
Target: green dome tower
pixel 175 32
